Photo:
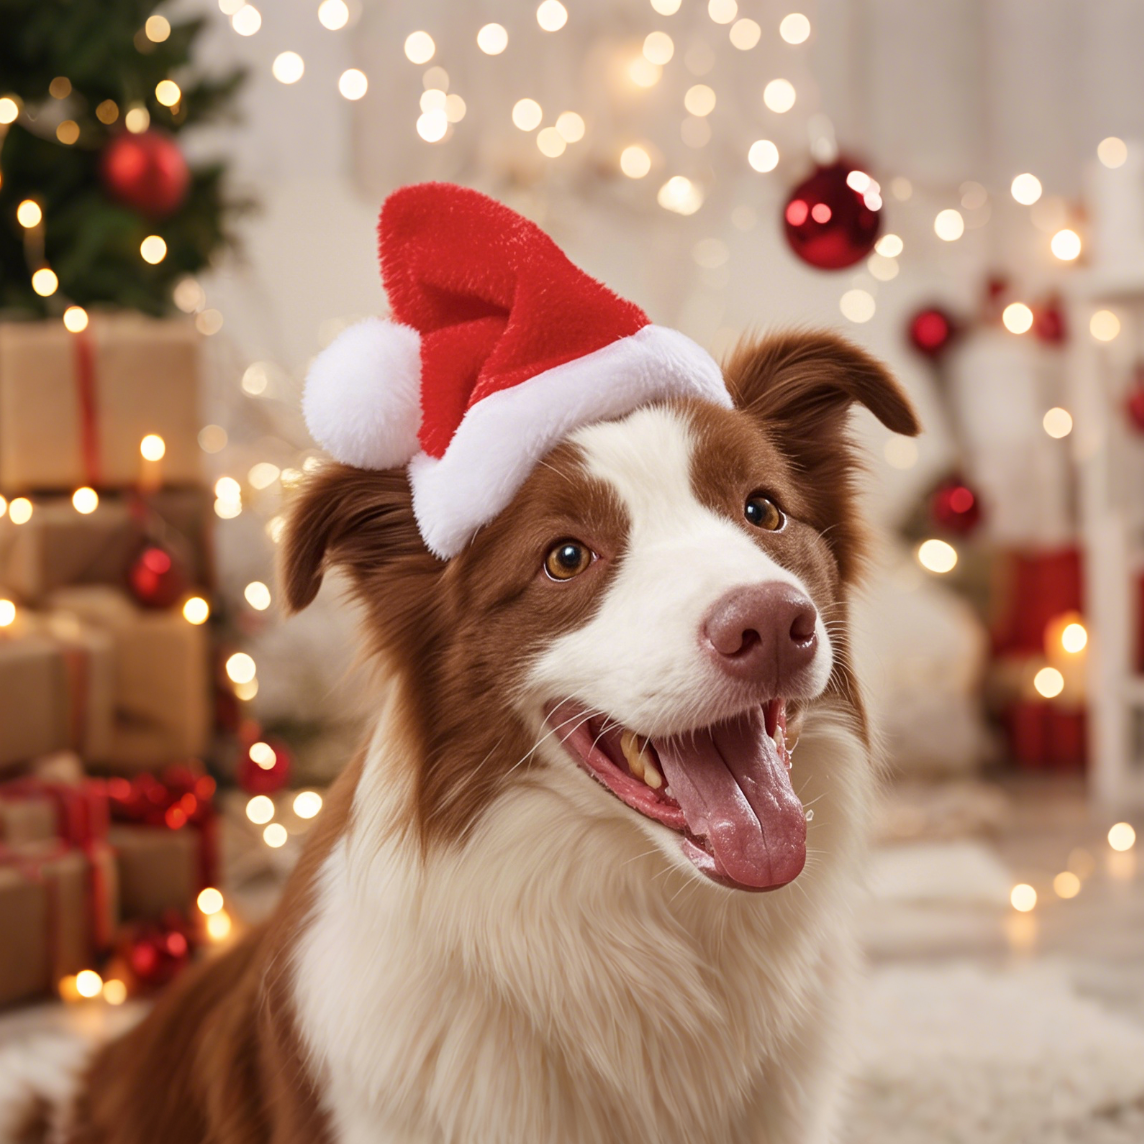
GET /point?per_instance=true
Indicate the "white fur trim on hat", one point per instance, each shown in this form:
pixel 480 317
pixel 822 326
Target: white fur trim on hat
pixel 362 401
pixel 501 438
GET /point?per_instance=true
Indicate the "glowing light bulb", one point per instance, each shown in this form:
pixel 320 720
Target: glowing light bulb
pixel 551 15
pixel 333 14
pixel 247 20
pixel 152 447
pixel 275 835
pixel 263 474
pixel 219 926
pixel 240 667
pixel 288 67
pixel 658 47
pixel 635 162
pixel 889 245
pixel 20 510
pixel 745 34
pixel 9 110
pixel 571 126
pixel 492 39
pixel 7 613
pixel 699 100
pixel 779 95
pixel 167 92
pixel 307 803
pixel 209 901
pixel 1066 884
pixel 88 983
pixel 353 84
pixel 1074 638
pixel 643 73
pixel 419 47
pixel 257 595
pixel 1023 897
pixel 432 126
pixel 763 156
pixel 1017 318
pixel 680 195
pixel 1057 422
pixel 68 132
pixel 263 755
pixel 1026 189
pixel 157 29
pixel 44 282
pixel 75 319
pixel 196 611
pixel 1104 325
pixel 1112 152
pixel 795 28
pixel 260 810
pixel 137 119
pixel 153 249
pixel 527 114
pixel 666 7
pixel 857 306
pixel 1049 682
pixel 1065 245
pixel 949 226
pixel 212 438
pixel 551 143
pixel 937 556
pixel 85 500
pixel 1122 836
pixel 722 11
pixel 28 214
pixel 114 991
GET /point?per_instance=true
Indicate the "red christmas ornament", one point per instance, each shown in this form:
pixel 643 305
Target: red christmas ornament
pixel 264 766
pixel 829 222
pixel 1049 322
pixel 156 580
pixel 955 507
pixel 1134 403
pixel 146 172
pixel 931 331
pixel 157 951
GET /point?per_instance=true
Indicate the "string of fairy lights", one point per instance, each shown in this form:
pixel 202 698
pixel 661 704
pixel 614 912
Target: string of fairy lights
pixel 439 113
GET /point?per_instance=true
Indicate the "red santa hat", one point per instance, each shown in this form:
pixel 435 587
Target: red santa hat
pixel 498 348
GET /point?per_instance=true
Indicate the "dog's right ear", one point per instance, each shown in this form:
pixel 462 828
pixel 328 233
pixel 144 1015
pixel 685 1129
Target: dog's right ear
pixel 357 519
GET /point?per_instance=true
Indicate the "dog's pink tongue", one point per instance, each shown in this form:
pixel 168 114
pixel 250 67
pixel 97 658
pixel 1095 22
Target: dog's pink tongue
pixel 734 790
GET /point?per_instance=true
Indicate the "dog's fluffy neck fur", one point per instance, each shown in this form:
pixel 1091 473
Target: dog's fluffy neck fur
pixel 486 992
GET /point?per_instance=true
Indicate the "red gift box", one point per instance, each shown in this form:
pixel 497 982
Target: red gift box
pixel 1036 588
pixel 1044 737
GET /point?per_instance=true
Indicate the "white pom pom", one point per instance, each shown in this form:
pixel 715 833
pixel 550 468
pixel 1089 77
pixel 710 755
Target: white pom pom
pixel 362 400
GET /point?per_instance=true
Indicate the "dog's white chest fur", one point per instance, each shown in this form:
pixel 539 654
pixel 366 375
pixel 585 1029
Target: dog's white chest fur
pixel 560 980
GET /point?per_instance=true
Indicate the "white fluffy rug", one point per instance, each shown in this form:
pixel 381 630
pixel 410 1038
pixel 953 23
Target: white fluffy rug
pixel 954 1054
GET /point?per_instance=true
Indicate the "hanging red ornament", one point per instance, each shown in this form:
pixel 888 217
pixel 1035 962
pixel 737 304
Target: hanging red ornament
pixel 955 507
pixel 146 172
pixel 1134 403
pixel 155 578
pixel 264 766
pixel 931 331
pixel 1049 322
pixel 832 219
pixel 157 951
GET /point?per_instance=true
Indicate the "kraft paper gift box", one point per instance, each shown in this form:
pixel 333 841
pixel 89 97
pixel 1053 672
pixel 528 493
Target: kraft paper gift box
pixel 74 407
pixel 58 908
pixel 161 678
pixel 56 688
pixel 158 869
pixel 59 546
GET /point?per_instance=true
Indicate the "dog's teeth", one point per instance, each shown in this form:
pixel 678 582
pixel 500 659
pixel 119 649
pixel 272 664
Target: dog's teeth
pixel 633 752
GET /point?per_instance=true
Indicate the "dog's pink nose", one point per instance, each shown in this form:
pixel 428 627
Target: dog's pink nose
pixel 762 632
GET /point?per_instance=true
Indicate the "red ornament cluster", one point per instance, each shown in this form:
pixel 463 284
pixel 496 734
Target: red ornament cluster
pixel 955 507
pixel 156 952
pixel 146 172
pixel 155 578
pixel 931 331
pixel 828 223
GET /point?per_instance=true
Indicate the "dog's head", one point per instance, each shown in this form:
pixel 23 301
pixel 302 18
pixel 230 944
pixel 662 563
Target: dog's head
pixel 664 597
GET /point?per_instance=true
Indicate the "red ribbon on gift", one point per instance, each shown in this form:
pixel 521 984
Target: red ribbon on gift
pixel 82 821
pixel 86 389
pixel 181 797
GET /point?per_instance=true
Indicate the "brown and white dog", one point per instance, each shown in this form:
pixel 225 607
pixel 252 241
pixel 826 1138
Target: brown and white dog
pixel 523 917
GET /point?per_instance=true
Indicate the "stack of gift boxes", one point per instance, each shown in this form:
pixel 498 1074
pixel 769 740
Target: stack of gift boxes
pixel 107 826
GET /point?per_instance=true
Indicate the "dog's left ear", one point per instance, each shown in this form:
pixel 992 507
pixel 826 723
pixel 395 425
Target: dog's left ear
pixel 800 387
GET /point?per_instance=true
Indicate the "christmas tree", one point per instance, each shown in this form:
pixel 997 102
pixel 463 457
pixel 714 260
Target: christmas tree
pixel 98 206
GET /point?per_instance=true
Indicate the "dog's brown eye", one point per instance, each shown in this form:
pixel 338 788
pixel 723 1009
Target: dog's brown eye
pixel 762 512
pixel 567 559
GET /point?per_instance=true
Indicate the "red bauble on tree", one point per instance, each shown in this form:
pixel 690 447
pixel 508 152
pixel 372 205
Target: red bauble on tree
pixel 931 331
pixel 157 951
pixel 828 222
pixel 1134 402
pixel 955 507
pixel 265 765
pixel 146 172
pixel 155 578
